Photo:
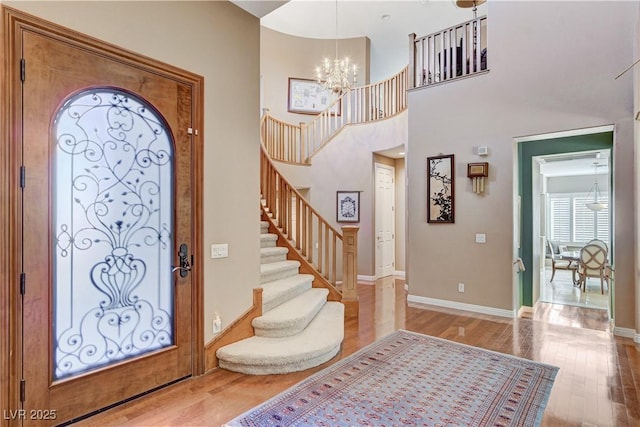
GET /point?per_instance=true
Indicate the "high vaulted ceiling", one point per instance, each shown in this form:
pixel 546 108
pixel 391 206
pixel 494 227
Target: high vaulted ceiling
pixel 358 18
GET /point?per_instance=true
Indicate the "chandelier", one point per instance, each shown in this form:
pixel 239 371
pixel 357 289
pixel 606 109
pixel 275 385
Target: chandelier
pixel 470 3
pixel 336 75
pixel 594 203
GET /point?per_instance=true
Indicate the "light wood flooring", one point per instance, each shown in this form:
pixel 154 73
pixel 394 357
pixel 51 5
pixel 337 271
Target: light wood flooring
pixel 597 384
pixel 562 291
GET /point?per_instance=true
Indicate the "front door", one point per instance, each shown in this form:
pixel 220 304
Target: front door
pixel 107 228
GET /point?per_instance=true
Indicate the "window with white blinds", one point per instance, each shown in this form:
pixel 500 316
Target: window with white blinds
pixel 559 219
pixel 569 220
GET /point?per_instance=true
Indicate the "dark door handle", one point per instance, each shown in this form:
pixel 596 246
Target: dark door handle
pixel 185 266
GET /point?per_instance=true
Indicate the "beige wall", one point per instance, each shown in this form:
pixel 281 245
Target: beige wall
pixel 542 79
pixel 283 56
pixel 221 42
pixel 347 163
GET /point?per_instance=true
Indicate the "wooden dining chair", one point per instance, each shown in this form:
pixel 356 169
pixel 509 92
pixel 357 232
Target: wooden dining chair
pixel 558 263
pixel 593 263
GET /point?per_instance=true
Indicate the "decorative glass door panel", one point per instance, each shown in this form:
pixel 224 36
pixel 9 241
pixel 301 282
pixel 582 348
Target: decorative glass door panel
pixel 113 219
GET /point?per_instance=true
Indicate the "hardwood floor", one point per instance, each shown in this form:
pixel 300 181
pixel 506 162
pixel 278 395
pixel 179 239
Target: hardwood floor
pixel 597 384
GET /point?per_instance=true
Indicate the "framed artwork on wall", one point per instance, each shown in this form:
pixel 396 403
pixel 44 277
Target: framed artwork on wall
pixel 307 96
pixel 348 206
pixel 440 189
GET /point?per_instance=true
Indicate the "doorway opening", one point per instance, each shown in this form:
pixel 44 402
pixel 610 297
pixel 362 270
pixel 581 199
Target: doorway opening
pixel 555 178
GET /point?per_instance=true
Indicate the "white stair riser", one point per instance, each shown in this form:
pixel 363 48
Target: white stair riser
pixel 278 274
pixel 275 293
pixel 273 369
pixel 268 259
pixel 292 317
pixel 273 254
pixel 267 241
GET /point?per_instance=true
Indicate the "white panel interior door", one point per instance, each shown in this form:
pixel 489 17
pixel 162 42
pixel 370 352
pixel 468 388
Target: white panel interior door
pixel 385 220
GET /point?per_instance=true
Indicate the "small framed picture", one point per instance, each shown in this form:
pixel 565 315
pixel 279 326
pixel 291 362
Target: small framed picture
pixel 348 206
pixel 440 189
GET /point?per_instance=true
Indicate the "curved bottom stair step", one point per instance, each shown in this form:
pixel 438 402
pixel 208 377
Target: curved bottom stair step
pixel 291 317
pixel 316 344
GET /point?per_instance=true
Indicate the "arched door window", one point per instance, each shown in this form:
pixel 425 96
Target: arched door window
pixel 113 218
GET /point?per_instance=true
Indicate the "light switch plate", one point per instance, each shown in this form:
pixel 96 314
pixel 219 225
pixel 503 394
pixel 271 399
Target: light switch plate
pixel 481 238
pixel 220 250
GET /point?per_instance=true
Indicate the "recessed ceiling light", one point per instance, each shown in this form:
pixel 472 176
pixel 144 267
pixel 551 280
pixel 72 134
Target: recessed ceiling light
pixel 385 17
pixel 402 153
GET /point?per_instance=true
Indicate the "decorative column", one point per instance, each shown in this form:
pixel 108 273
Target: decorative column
pixel 350 270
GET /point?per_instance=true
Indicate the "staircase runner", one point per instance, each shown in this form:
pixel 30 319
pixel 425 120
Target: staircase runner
pixel 299 328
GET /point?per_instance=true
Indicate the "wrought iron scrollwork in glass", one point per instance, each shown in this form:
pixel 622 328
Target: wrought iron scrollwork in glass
pixel 113 216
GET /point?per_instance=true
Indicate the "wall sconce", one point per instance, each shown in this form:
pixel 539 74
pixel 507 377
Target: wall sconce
pixel 478 172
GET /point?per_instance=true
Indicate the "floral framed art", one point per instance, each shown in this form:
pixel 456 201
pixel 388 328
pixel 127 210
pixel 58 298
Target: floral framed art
pixel 310 97
pixel 348 206
pixel 440 189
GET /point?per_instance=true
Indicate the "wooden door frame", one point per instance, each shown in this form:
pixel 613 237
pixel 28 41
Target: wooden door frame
pixel 13 21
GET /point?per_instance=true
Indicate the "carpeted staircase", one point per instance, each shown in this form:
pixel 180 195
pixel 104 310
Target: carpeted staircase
pixel 299 328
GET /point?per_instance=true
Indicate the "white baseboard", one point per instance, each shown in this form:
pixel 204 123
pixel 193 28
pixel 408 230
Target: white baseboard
pixel 370 279
pixel 421 301
pixel 366 279
pixel 626 333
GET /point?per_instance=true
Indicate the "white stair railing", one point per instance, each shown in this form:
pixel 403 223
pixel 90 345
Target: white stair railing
pixel 290 143
pixel 455 52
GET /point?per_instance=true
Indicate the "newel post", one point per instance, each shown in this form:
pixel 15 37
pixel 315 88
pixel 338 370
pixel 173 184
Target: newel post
pixel 350 270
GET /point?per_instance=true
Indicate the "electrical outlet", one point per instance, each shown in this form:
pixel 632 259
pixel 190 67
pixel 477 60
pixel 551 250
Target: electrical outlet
pixel 481 238
pixel 460 287
pixel 217 323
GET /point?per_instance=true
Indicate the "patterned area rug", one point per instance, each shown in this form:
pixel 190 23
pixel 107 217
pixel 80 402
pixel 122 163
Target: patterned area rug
pixel 414 380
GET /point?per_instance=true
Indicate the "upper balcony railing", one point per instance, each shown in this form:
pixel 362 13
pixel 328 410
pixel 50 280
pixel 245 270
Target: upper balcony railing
pixel 455 52
pixel 296 144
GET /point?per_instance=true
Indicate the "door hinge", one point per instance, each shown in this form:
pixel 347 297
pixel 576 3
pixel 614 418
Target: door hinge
pixel 191 131
pixel 23 281
pixel 23 386
pixel 23 68
pixel 23 176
